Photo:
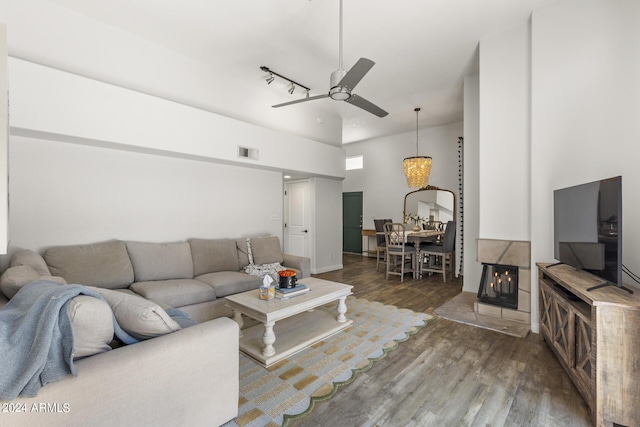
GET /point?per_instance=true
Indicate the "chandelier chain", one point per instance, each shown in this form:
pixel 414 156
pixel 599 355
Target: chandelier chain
pixel 417 110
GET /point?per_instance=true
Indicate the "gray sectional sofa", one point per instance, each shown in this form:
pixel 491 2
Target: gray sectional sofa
pixel 186 377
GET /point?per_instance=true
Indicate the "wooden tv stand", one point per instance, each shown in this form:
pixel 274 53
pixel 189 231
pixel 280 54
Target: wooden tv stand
pixel 596 337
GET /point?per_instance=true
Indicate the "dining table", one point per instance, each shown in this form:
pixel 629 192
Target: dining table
pixel 417 237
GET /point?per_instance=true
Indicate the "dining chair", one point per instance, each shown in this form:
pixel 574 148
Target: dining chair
pixel 381 244
pixel 394 234
pixel 436 257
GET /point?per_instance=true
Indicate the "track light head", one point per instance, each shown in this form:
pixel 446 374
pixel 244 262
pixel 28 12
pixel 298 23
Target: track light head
pixel 292 88
pixel 270 78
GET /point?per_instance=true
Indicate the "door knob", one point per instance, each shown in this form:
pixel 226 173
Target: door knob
pixel 305 231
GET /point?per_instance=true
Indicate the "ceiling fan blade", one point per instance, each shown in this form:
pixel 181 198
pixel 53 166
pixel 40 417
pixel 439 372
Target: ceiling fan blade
pixel 356 73
pixel 360 102
pixel 297 101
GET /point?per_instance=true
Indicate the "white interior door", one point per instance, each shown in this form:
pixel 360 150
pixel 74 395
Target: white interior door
pixel 297 218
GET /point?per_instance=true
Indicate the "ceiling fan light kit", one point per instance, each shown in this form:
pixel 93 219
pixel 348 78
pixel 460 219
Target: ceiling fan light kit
pixel 418 168
pixel 343 82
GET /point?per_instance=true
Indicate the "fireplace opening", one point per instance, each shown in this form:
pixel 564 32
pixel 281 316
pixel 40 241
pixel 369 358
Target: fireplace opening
pixel 499 285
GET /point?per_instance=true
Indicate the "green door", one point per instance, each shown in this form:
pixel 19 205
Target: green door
pixel 352 222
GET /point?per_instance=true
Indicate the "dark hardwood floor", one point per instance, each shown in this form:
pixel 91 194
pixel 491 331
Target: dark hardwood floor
pixel 448 374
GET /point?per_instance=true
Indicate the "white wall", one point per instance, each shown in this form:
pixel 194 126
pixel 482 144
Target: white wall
pixel 65 193
pixel 48 101
pixel 326 195
pixel 78 84
pixel 4 142
pixel 585 109
pixel 504 135
pixel 46 33
pixel 72 113
pixel 382 179
pixel 472 269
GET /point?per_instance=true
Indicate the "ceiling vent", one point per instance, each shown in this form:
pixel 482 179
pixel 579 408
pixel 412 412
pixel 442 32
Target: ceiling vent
pixel 248 153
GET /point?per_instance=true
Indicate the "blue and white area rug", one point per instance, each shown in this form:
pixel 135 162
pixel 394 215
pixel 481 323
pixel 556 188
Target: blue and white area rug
pixel 288 390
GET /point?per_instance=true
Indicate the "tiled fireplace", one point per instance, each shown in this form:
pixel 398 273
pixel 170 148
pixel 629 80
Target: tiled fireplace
pixel 507 270
pixel 499 285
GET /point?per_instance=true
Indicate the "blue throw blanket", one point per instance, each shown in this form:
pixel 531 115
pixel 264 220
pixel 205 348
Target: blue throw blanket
pixel 36 339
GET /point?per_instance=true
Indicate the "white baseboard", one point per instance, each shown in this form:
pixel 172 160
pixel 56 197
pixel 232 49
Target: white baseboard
pixel 325 269
pixel 535 328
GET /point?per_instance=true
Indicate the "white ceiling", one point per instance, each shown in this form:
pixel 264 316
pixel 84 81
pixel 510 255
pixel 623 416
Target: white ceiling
pixel 422 48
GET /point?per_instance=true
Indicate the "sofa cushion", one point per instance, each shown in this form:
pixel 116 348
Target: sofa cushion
pixel 175 293
pixel 105 265
pixel 266 250
pixel 32 259
pixel 211 255
pixel 92 325
pixel 230 282
pixel 160 261
pixel 16 277
pixel 140 318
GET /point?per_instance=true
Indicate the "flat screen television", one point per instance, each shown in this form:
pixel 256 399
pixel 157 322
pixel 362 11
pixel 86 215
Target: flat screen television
pixel 588 228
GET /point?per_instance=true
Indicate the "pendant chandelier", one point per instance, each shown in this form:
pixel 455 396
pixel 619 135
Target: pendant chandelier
pixel 417 168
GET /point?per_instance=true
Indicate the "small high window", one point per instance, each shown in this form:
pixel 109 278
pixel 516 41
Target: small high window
pixel 355 162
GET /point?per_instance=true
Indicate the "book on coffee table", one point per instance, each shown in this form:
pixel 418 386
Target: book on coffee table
pixel 291 292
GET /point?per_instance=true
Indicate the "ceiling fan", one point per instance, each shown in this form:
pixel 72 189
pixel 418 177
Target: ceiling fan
pixel 343 82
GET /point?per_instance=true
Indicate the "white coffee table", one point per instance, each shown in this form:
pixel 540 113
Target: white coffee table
pixel 299 325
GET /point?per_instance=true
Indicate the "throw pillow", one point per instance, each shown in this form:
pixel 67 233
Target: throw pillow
pixel 92 325
pixel 249 252
pixel 264 269
pixel 140 318
pixel 32 259
pixel 16 277
pixel 244 252
pixel 179 316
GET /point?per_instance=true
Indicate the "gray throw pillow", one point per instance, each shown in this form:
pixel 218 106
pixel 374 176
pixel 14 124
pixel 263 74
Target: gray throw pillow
pixel 16 277
pixel 92 324
pixel 32 259
pixel 140 318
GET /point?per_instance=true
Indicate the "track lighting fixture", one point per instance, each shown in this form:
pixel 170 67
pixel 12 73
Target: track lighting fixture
pixel 292 88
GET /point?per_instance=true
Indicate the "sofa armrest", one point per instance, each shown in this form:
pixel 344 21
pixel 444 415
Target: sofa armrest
pixel 302 264
pixel 189 377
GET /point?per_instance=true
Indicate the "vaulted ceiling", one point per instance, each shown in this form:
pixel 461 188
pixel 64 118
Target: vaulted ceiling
pixel 423 49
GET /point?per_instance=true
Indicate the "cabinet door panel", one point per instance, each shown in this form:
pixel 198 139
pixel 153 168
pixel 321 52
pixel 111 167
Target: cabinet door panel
pixel 563 335
pixel 584 364
pixel 546 310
